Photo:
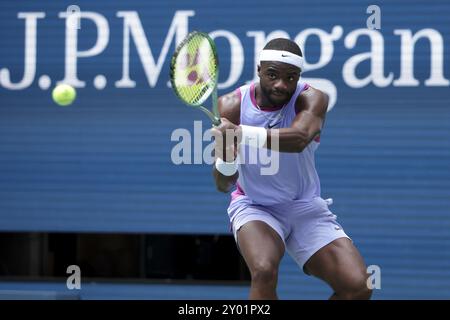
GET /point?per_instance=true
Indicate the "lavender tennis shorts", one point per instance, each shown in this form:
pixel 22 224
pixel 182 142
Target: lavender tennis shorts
pixel 305 226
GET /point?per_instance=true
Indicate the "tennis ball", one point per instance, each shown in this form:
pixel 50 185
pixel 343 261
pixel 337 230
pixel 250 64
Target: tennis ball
pixel 64 94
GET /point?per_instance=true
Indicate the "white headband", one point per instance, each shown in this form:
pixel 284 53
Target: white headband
pixel 281 56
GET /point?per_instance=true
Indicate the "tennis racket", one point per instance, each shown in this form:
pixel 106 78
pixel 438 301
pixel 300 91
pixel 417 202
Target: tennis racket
pixel 194 73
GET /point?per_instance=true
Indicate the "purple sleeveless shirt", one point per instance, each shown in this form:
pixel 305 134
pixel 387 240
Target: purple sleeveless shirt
pixel 294 177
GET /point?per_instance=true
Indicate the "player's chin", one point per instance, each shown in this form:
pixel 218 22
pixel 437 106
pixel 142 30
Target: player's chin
pixel 279 99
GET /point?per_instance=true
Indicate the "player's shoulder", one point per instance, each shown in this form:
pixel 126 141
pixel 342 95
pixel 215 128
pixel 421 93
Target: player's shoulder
pixel 312 99
pixel 229 106
pixel 232 98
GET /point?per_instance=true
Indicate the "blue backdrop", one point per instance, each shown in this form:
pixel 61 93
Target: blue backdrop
pixel 104 163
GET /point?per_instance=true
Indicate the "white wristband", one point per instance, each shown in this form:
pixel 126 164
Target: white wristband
pixel 254 136
pixel 226 168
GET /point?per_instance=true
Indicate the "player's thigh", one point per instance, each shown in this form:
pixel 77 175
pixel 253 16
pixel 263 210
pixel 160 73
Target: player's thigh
pixel 340 264
pixel 260 245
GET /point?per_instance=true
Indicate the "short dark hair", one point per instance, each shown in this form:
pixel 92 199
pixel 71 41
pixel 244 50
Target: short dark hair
pixel 285 45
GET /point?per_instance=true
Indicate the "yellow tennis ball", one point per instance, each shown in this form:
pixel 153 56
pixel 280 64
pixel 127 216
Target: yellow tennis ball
pixel 64 94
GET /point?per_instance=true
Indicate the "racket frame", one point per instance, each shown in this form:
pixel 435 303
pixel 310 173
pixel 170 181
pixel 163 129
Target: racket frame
pixel 214 115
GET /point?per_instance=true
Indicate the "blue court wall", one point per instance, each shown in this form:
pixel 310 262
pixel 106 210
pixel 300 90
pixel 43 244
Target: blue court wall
pixel 104 163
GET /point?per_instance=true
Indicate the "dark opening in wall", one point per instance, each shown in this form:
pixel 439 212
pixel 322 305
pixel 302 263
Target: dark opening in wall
pixel 122 256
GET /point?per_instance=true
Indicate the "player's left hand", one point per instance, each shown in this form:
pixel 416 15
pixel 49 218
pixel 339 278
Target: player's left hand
pixel 226 136
pixel 224 125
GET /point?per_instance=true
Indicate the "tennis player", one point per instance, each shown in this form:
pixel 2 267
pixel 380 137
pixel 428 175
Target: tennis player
pixel 271 214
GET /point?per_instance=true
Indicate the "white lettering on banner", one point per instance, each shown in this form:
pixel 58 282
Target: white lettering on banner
pixel 133 32
pixel 376 56
pixel 407 58
pixel 326 54
pixel 72 53
pixel 237 57
pixel 132 26
pixel 30 53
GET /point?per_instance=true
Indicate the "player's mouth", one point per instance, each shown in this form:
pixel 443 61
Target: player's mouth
pixel 279 94
pixel 279 97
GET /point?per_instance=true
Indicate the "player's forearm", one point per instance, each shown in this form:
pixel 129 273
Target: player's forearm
pixel 290 140
pixel 224 183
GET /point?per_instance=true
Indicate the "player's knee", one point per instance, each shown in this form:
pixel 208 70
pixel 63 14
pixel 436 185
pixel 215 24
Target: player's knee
pixel 264 272
pixel 365 294
pixel 357 294
pixel 357 290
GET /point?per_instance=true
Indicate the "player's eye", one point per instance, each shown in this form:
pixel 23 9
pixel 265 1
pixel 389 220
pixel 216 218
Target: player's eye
pixel 271 76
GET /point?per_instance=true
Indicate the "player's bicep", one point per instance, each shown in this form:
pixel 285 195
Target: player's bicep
pixel 311 108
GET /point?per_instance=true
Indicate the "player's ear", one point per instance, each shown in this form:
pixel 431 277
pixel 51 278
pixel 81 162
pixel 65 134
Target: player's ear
pixel 259 70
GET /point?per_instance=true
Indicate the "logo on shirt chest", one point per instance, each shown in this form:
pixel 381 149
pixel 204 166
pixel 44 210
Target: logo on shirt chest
pixel 271 125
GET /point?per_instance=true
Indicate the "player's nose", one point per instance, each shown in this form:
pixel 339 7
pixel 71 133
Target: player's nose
pixel 280 85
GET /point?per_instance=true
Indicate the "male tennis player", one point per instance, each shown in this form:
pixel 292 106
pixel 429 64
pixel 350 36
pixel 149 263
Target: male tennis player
pixel 284 211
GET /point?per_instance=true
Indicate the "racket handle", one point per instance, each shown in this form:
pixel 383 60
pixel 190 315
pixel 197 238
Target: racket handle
pixel 215 120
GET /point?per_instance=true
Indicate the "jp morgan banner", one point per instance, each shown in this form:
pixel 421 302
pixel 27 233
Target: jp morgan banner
pixel 399 53
pixel 104 163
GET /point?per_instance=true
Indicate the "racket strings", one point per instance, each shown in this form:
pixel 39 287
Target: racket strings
pixel 195 70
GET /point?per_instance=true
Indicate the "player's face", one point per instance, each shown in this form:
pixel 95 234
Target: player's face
pixel 278 81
